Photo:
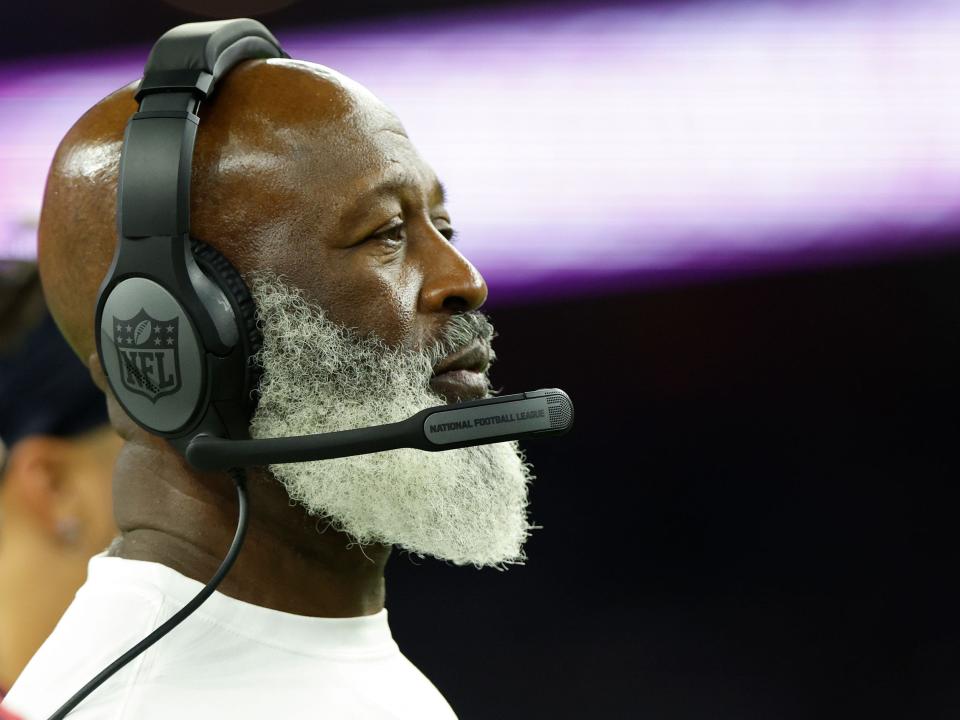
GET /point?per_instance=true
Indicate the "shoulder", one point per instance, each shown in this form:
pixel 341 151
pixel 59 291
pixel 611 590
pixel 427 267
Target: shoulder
pixel 248 661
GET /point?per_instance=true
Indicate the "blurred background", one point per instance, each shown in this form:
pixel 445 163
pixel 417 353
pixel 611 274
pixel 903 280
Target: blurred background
pixel 731 231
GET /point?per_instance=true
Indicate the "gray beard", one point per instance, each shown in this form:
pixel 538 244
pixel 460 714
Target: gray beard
pixel 468 506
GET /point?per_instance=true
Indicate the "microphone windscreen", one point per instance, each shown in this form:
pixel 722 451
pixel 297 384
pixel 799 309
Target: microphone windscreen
pixel 560 409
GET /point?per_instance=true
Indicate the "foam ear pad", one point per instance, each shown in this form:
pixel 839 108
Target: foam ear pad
pixel 221 271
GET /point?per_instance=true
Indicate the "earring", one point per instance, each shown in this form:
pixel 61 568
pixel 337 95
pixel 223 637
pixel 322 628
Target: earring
pixel 68 530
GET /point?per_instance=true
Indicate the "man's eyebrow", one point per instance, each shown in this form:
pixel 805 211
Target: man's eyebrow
pixel 355 213
pixel 439 191
pixel 438 196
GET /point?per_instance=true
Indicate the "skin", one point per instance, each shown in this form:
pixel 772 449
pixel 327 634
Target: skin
pixel 303 172
pixel 54 515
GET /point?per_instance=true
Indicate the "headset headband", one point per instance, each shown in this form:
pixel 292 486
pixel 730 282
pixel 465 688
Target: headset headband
pixel 182 70
pixel 175 325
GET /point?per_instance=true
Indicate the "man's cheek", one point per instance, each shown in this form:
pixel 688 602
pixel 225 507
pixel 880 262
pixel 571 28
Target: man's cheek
pixel 390 308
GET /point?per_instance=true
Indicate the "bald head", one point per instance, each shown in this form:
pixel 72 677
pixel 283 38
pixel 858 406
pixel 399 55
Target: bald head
pixel 285 150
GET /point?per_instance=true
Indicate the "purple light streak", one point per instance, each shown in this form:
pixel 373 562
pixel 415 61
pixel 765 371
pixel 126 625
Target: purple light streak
pixel 600 144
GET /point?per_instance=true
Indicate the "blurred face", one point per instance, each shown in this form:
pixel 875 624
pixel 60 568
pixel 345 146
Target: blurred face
pixel 55 513
pixel 57 492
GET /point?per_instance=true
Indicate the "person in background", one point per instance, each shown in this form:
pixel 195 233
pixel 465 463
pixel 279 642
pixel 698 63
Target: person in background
pixel 56 464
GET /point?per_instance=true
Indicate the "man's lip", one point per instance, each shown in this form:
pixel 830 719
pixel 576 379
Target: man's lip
pixel 460 385
pixel 475 357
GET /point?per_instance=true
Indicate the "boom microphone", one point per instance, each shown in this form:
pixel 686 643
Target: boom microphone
pixel 531 414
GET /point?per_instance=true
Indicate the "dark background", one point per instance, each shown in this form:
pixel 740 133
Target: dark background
pixel 754 515
pixel 40 27
pixel 752 518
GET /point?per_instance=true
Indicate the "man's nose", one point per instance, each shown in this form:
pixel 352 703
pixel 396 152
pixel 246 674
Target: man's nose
pixel 450 282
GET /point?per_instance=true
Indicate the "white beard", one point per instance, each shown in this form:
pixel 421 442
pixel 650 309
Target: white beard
pixel 466 506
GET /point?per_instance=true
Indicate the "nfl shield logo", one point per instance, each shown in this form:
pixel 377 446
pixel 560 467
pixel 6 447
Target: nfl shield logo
pixel 147 351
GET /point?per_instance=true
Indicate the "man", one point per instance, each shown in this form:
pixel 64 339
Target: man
pixel 311 188
pixel 56 464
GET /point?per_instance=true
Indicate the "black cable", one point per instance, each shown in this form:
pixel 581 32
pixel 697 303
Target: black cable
pixel 239 477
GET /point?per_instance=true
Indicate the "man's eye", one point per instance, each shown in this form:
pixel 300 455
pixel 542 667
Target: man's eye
pixel 397 235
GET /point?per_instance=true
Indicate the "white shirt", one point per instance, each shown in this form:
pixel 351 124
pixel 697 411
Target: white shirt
pixel 229 659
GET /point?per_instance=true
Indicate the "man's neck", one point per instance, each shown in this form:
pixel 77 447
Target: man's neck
pixel 290 561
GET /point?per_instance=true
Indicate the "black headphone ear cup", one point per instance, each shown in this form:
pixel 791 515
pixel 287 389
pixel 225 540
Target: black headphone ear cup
pixel 218 268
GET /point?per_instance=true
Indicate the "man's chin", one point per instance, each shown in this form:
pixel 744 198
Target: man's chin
pixel 460 385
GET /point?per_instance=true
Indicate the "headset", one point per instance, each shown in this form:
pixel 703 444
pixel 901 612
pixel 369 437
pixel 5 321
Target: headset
pixel 175 323
pixel 176 327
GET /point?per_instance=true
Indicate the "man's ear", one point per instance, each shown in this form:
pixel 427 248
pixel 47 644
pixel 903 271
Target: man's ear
pixel 37 483
pixel 124 426
pixel 96 372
